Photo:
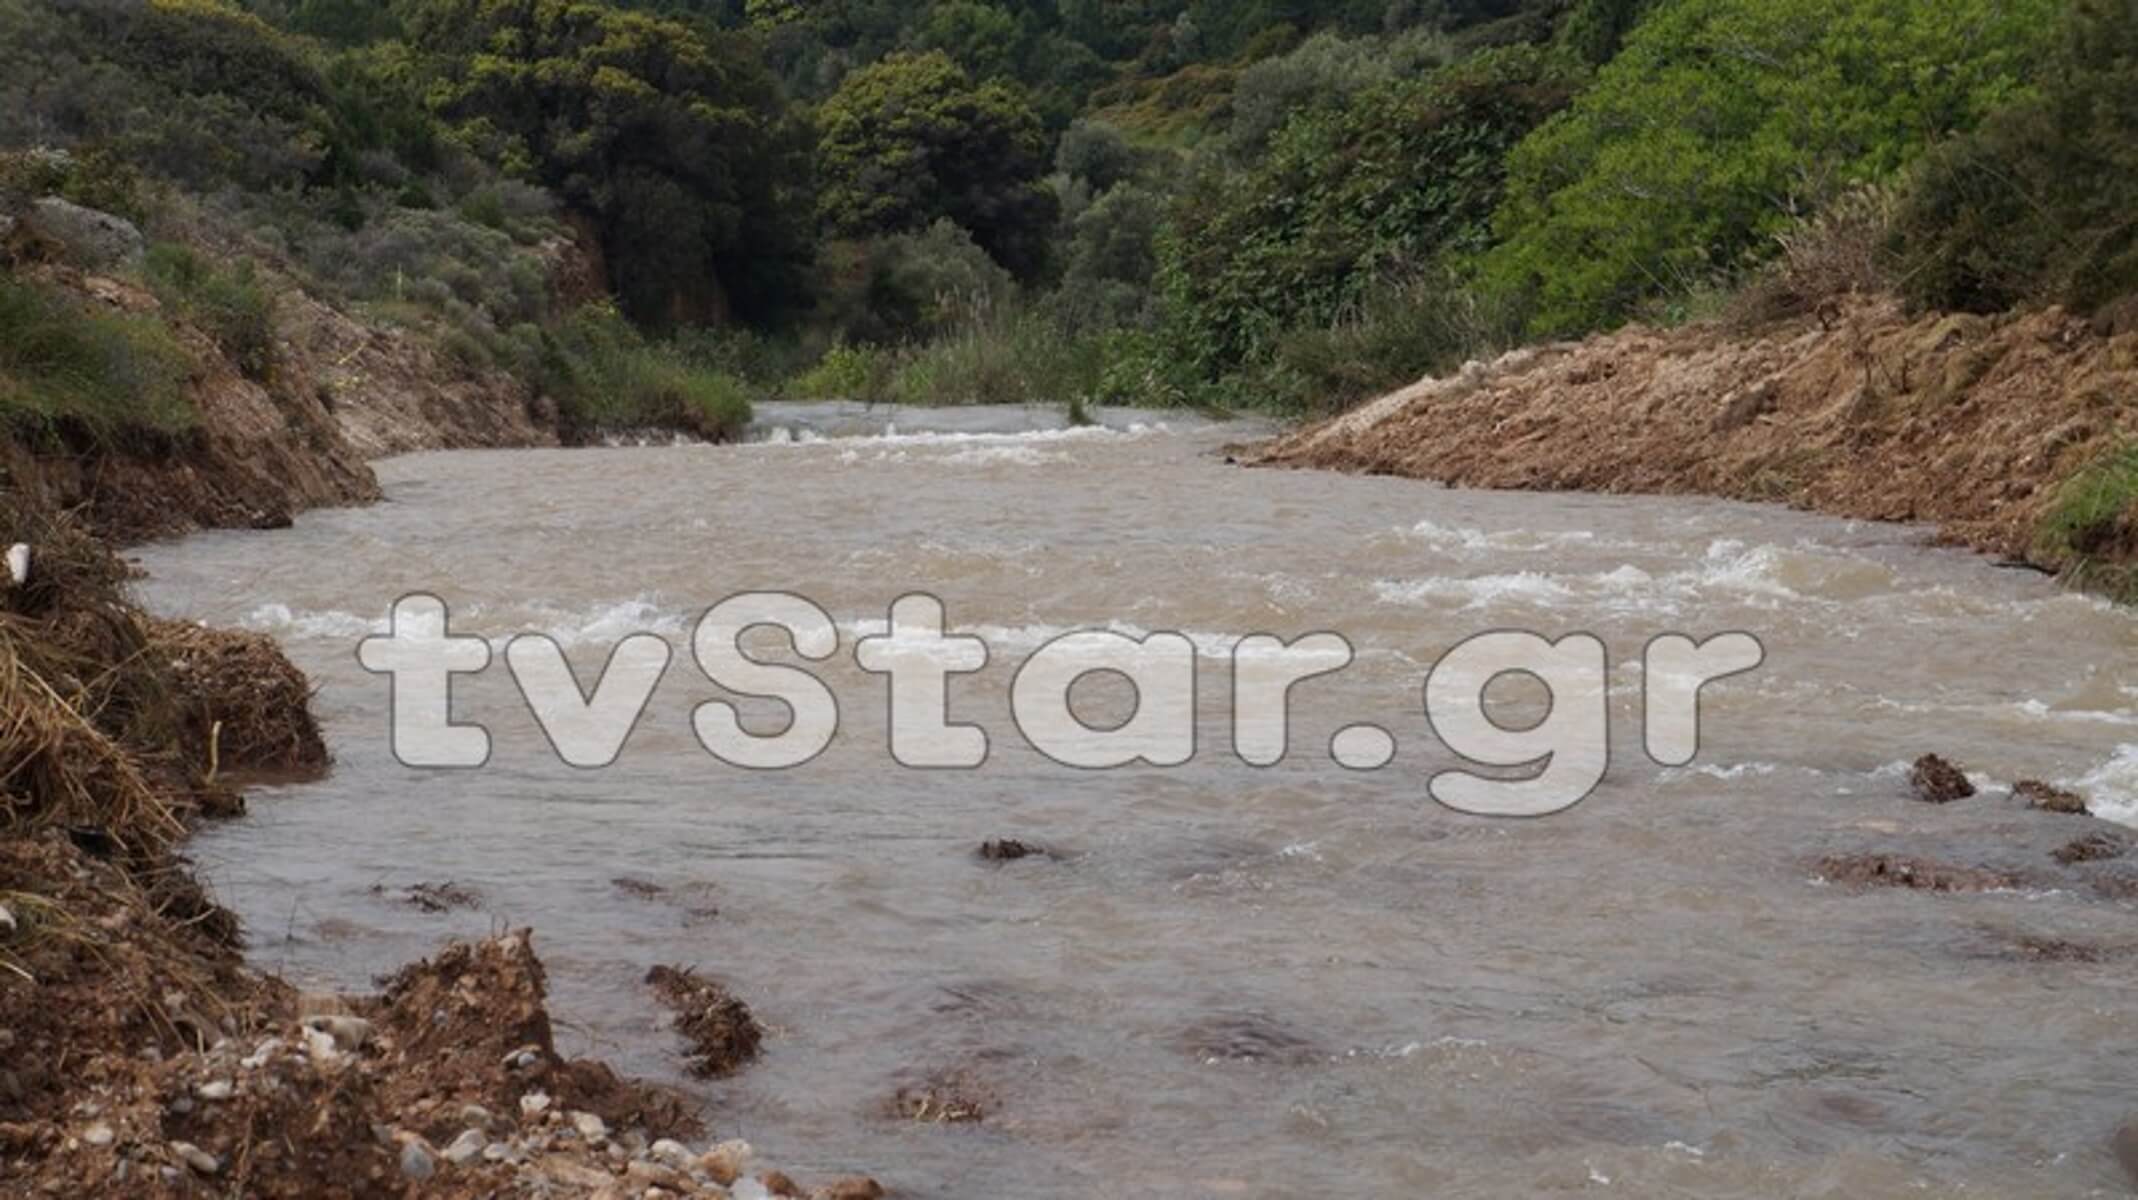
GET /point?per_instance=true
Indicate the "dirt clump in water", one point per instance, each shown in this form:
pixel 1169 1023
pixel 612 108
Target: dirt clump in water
pixel 1920 874
pixel 1937 781
pixel 1011 850
pixel 434 897
pixel 2050 799
pixel 2093 847
pixel 722 1033
pixel 241 698
pixel 945 1098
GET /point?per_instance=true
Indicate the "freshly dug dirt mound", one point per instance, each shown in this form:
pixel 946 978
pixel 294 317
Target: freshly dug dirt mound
pixel 1971 422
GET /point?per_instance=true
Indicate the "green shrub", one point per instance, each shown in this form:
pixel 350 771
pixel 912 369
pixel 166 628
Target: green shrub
pixel 2092 530
pixel 230 304
pixel 1402 330
pixel 607 378
pixel 848 372
pixel 75 374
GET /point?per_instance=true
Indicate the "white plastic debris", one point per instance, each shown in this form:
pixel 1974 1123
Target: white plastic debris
pixel 18 564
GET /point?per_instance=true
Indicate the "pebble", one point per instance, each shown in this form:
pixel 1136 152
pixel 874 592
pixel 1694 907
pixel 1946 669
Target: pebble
pixel 319 1044
pixel 590 1127
pixel 500 1152
pixel 99 1135
pixel 181 1106
pixel 523 1058
pixel 477 1116
pixel 261 1054
pixel 725 1162
pixel 652 1174
pixel 416 1161
pixel 216 1089
pixel 856 1187
pixel 349 1033
pixel 749 1189
pixel 466 1148
pixel 534 1104
pixel 673 1152
pixel 7 920
pixel 197 1158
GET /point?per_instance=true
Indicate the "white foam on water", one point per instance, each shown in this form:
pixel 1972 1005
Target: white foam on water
pixel 284 621
pixel 1469 539
pixel 2111 789
pixel 1481 591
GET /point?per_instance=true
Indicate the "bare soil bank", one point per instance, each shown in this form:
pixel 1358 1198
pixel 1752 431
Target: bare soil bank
pixel 1970 422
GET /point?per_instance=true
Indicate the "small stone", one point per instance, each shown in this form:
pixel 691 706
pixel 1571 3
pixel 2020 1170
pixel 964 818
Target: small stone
pixel 669 1150
pixel 725 1162
pixel 573 1174
pixel 349 1033
pixel 853 1187
pixel 477 1116
pixel 2050 799
pixel 261 1054
pixel 650 1174
pixel 196 1158
pixel 216 1089
pixel 777 1183
pixel 319 1045
pixel 416 1161
pixel 749 1189
pixel 534 1104
pixel 99 1135
pixel 590 1127
pixel 523 1058
pixel 181 1106
pixel 500 1152
pixel 466 1148
pixel 7 921
pixel 1937 781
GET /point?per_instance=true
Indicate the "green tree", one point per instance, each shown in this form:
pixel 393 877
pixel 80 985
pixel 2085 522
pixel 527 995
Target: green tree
pixel 913 138
pixel 676 145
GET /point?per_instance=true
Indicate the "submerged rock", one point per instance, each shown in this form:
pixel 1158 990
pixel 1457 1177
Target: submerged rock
pixel 1901 871
pixel 2091 848
pixel 2049 798
pixel 1937 781
pixel 1010 850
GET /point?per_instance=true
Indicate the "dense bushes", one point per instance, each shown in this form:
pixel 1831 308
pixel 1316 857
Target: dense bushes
pixel 677 146
pixel 1722 121
pixel 2040 203
pixel 1404 173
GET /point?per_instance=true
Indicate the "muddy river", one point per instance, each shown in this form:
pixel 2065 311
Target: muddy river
pixel 1234 980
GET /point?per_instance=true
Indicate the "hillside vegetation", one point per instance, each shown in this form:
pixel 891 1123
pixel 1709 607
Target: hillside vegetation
pixel 648 214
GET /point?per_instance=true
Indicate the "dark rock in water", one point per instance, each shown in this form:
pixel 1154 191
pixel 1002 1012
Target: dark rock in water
pixel 2116 887
pixel 1921 874
pixel 723 1035
pixel 1938 781
pixel 435 897
pixel 1010 850
pixel 272 518
pixel 2050 799
pixel 2125 1147
pixel 2092 848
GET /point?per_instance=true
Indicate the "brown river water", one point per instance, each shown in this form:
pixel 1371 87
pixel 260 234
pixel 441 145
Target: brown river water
pixel 1236 981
